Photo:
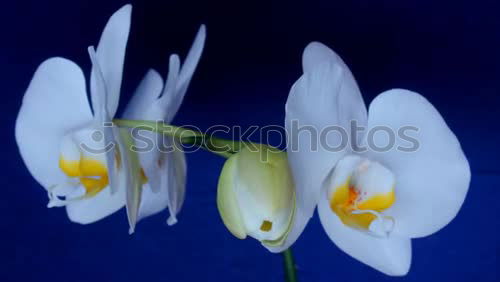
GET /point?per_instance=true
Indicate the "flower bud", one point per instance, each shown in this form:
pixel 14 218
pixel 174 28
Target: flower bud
pixel 256 195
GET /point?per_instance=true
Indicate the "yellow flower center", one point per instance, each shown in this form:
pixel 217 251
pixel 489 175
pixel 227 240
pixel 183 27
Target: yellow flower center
pixel 91 173
pixel 353 207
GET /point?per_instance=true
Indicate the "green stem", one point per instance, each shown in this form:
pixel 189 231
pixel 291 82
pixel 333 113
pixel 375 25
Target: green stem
pixel 290 270
pixel 159 127
pixel 210 146
pixel 222 147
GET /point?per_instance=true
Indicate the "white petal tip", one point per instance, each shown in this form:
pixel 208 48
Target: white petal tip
pixel 201 35
pixel 174 59
pixel 55 203
pixel 315 45
pixel 131 230
pixel 203 29
pixel 171 220
pixel 398 270
pixel 91 51
pixel 126 10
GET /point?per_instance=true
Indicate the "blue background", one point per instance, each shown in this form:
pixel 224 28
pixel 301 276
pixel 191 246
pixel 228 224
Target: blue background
pixel 447 51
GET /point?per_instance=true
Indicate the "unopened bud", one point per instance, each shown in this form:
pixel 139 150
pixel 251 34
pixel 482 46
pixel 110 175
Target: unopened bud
pixel 256 195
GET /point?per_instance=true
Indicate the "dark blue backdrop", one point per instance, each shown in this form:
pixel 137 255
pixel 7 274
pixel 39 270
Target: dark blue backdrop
pixel 447 51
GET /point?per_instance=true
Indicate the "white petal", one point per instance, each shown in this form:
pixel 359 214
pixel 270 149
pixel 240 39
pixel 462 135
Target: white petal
pixel 350 104
pixel 186 73
pixel 54 105
pixel 132 170
pixel 176 181
pixel 317 53
pixel 193 57
pixel 170 101
pixel 391 255
pixel 174 66
pixel 89 210
pixel 157 197
pixel 110 55
pixel 155 110
pixel 152 100
pixel 312 106
pixel 227 201
pixel 147 92
pixel 61 194
pixel 172 174
pixel 103 121
pixel 152 202
pixel 431 182
pixel 166 185
pixel 146 105
pixel 191 62
pixel 110 154
pixel 149 156
pixel 143 106
pixel 341 173
pixel 93 209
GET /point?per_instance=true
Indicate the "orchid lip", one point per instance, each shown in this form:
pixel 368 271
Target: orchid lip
pixel 386 230
pixel 366 191
pixel 61 199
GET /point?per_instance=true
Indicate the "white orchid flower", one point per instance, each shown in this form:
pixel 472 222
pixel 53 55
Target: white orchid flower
pixel 62 141
pixel 371 202
pixel 163 160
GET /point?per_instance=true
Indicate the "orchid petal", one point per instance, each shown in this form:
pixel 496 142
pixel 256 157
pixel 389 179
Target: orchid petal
pixel 54 104
pixel 146 93
pixel 431 180
pixel 166 172
pixel 350 104
pixel 148 106
pixel 172 172
pixel 186 73
pixel 157 111
pixel 133 181
pixel 391 255
pixel 174 65
pixel 227 200
pixel 311 107
pixel 167 101
pixel 152 202
pixel 86 209
pixel 141 108
pixel 176 174
pixel 191 62
pixel 110 56
pixel 103 120
pixel 89 210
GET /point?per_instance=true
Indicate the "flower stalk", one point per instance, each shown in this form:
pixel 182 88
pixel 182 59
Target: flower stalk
pixel 222 147
pixel 289 266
